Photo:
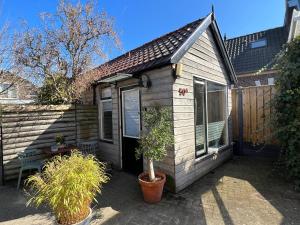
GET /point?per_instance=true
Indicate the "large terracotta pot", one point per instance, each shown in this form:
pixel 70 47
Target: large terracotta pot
pixel 152 191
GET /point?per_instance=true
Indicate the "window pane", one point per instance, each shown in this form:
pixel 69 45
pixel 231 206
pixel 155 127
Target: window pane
pixel 259 43
pixel 200 118
pixel 216 115
pixel 106 93
pixel 131 110
pixel 107 120
pixel 4 90
pixel 12 92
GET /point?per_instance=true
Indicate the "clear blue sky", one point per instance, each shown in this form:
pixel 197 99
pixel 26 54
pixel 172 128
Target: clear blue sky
pixel 139 21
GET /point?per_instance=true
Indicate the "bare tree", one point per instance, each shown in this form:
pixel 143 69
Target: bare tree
pixel 9 71
pixel 67 46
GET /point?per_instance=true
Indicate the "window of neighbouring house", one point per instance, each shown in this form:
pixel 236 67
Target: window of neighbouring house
pixel 8 91
pixel 257 83
pixel 106 114
pixel 210 116
pixel 271 81
pixel 259 43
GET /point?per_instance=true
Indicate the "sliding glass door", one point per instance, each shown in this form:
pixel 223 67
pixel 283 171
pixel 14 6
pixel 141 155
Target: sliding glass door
pixel 210 116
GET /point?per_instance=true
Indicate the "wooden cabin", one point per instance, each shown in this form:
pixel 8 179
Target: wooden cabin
pixel 188 70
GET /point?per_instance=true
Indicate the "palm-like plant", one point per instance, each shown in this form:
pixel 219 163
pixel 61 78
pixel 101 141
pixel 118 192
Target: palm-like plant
pixel 68 185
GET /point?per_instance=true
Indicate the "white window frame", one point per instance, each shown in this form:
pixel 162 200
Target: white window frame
pixel 109 99
pixel 210 150
pixel 123 119
pixel 8 90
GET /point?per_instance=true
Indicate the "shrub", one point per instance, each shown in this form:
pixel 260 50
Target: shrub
pixel 157 136
pixel 287 109
pixel 68 185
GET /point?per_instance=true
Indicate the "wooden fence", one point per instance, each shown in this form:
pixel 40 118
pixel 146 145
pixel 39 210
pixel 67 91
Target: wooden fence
pixel 28 127
pixel 254 116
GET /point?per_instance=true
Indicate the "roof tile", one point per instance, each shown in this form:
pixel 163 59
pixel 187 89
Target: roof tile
pixel 149 55
pixel 246 59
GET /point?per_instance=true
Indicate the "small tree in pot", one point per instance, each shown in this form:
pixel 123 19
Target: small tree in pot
pixel 153 144
pixel 68 185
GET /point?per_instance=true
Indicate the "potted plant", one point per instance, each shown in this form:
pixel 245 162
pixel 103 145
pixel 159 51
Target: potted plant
pixel 157 135
pixel 60 141
pixel 68 185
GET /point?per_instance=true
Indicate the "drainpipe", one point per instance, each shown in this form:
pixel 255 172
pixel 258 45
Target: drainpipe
pixel 240 121
pixel 94 94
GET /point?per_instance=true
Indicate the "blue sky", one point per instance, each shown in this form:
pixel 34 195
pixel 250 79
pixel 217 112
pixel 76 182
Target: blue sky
pixel 139 21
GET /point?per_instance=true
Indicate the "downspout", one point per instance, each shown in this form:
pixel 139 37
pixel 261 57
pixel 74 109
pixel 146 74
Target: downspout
pixel 240 121
pixel 94 94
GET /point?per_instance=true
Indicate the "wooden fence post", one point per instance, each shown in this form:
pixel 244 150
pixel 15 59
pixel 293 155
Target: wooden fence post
pixel 240 121
pixel 1 158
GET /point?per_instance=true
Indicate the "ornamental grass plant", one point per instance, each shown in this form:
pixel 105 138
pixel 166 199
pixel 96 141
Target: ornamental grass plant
pixel 68 185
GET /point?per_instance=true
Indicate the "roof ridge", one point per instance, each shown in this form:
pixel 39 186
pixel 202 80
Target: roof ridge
pixel 245 35
pixel 149 42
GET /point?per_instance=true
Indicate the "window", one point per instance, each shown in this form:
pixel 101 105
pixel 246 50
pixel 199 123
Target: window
pixel 257 83
pixel 8 91
pixel 210 116
pixel 271 81
pixel 216 115
pixel 131 113
pixel 259 43
pixel 106 114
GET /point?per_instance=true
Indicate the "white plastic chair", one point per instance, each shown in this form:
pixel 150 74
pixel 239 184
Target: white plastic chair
pixel 88 147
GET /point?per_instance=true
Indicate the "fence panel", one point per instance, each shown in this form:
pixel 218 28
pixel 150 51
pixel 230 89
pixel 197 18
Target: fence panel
pixel 26 127
pixel 256 113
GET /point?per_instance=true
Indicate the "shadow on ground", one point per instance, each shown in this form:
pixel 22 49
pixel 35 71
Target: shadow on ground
pixel 242 191
pixel 245 190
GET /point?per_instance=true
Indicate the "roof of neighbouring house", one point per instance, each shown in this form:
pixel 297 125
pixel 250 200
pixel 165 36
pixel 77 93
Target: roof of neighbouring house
pixel 164 50
pixel 246 59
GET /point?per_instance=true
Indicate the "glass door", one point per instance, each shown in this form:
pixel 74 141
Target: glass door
pixel 200 118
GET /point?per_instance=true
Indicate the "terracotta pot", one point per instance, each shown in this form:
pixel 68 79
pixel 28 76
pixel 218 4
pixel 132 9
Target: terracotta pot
pixel 152 191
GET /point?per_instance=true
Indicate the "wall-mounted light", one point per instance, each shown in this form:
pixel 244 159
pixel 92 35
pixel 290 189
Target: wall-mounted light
pixel 178 70
pixel 145 81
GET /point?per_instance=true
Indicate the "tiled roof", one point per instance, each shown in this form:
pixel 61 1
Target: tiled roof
pixel 154 53
pixel 246 59
pixel 247 81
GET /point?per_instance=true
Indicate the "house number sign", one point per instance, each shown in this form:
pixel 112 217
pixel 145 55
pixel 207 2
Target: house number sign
pixel 183 91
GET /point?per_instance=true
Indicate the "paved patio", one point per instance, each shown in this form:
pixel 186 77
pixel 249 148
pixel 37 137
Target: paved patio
pixel 242 191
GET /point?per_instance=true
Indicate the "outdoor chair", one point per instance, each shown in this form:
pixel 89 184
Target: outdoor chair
pixel 88 147
pixel 28 163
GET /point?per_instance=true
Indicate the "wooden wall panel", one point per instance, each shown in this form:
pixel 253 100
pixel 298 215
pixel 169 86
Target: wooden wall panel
pixel 257 112
pixel 26 127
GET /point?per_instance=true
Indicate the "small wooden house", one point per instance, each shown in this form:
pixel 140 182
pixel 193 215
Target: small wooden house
pixel 188 70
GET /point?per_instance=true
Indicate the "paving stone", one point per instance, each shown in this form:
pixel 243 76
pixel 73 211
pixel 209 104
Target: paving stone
pixel 241 191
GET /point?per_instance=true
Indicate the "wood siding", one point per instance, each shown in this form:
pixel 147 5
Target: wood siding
pixel 203 61
pixel 35 127
pixel 161 92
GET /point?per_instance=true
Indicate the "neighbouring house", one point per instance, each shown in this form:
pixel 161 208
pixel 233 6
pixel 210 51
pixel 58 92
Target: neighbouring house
pixel 188 70
pixel 254 55
pixel 16 90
